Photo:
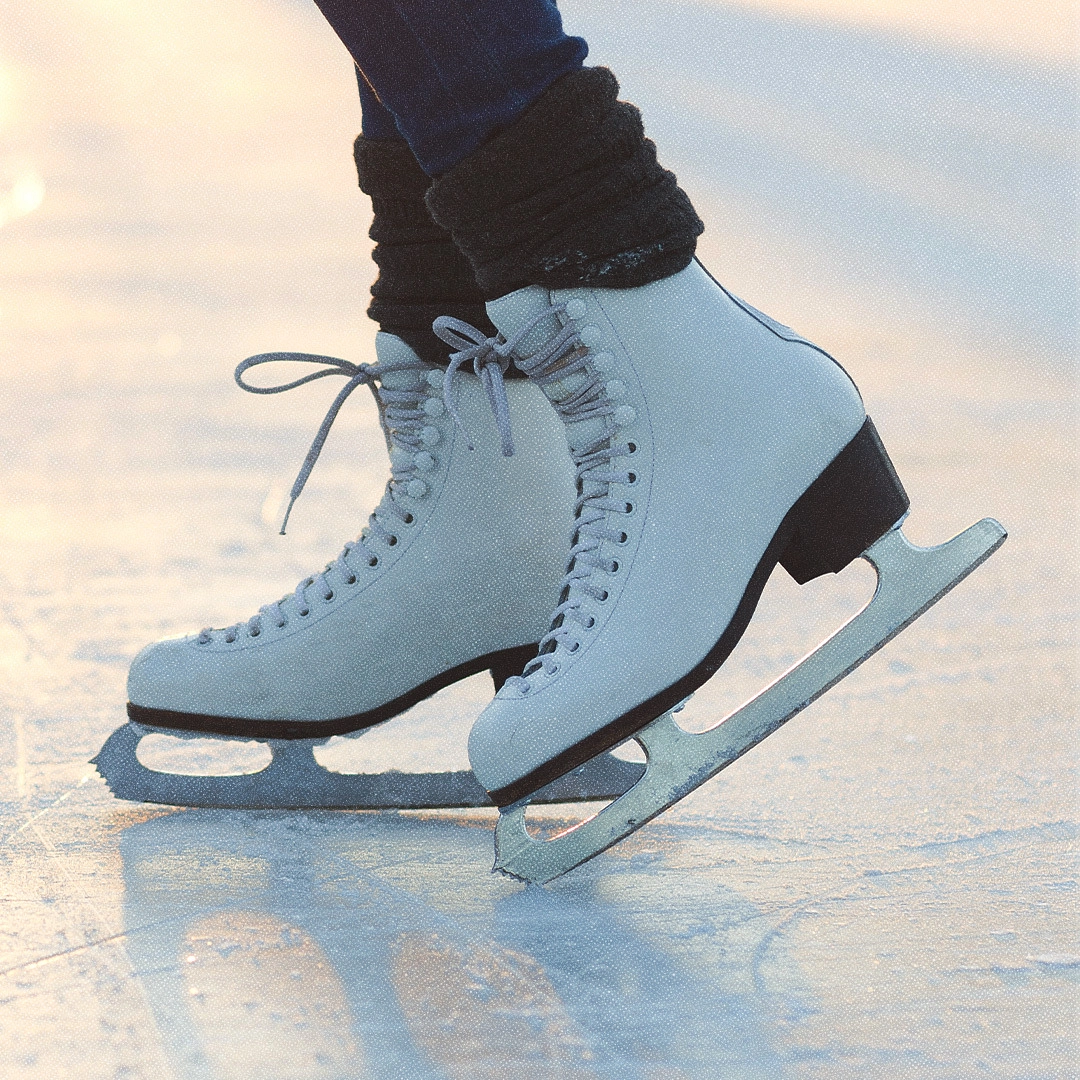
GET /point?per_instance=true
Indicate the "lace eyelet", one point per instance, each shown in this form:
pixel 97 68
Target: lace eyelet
pixel 603 596
pixel 329 596
pixel 631 448
pixel 391 540
pixel 373 561
pixel 409 519
pixel 629 508
pixel 614 566
pixel 623 537
pixel 351 580
pixel 574 649
pixel 591 623
pixel 305 613
pixel 254 632
pixel 553 670
pixel 229 640
pixel 631 478
pixel 281 625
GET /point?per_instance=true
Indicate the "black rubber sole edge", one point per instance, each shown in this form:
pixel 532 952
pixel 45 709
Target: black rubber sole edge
pixel 502 664
pixel 854 501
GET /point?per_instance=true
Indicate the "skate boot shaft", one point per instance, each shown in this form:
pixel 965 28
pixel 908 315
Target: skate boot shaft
pixel 697 425
pixel 455 573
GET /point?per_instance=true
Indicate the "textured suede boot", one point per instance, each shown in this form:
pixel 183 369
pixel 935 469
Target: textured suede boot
pixel 456 573
pixel 711 443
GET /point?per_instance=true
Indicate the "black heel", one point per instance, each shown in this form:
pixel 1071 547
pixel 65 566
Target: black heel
pixel 854 502
pixel 509 662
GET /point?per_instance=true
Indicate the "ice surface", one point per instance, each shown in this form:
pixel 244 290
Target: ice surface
pixel 887 887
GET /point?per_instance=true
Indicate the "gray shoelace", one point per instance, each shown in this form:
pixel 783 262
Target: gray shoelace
pixel 403 419
pixel 490 358
pixel 358 374
pixel 561 357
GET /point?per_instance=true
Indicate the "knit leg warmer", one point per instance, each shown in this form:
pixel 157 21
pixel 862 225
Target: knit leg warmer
pixel 422 274
pixel 569 194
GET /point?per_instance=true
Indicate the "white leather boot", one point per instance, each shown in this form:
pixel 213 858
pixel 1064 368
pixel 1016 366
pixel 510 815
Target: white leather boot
pixel 456 573
pixel 711 443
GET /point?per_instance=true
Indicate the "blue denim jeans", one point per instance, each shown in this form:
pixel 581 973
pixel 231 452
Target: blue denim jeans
pixel 446 74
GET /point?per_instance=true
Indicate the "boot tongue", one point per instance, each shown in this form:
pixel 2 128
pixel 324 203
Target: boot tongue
pixel 510 314
pixel 514 310
pixel 390 349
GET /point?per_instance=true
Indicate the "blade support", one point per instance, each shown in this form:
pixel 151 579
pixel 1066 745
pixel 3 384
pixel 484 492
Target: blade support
pixel 294 780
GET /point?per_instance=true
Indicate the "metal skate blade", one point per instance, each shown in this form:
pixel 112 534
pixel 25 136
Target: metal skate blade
pixel 910 580
pixel 294 780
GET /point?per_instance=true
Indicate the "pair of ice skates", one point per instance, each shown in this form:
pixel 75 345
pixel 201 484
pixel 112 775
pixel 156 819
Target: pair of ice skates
pixel 707 443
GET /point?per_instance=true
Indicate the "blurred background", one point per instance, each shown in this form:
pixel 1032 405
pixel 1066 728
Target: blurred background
pixel 885 887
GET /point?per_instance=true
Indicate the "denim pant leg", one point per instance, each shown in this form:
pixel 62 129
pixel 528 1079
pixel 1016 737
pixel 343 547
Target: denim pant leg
pixel 451 72
pixel 378 122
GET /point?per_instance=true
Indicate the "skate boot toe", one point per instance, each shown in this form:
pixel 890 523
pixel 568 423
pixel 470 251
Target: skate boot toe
pixel 181 678
pixel 158 675
pixel 541 726
pixel 491 746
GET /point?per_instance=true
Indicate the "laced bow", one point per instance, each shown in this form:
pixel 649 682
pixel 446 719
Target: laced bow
pixel 403 416
pixel 490 358
pixel 563 358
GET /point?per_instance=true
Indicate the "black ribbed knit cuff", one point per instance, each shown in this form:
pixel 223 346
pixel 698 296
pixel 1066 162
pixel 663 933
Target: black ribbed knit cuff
pixel 569 194
pixel 422 274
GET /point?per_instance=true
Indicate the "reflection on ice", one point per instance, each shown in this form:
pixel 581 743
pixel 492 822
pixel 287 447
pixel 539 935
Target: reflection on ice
pixel 379 946
pixel 253 973
pixel 449 996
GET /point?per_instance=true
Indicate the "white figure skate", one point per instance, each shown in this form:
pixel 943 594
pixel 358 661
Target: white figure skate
pixel 455 574
pixel 711 443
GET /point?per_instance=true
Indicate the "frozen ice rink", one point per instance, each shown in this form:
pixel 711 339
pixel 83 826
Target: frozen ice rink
pixel 887 887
